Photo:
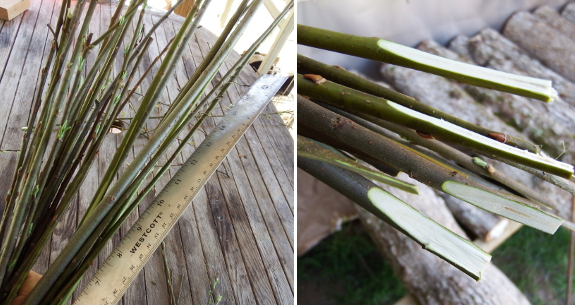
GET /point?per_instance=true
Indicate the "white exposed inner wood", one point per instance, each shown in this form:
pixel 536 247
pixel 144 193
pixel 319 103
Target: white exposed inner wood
pixel 531 84
pixel 434 236
pixel 507 208
pixel 477 138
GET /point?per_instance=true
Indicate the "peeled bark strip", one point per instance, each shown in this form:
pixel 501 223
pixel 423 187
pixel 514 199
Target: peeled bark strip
pixel 485 225
pixel 550 124
pixel 542 41
pixel 429 279
pixel 444 95
pixel 569 12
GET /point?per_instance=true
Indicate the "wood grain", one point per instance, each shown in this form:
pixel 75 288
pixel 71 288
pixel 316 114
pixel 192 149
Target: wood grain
pixel 239 229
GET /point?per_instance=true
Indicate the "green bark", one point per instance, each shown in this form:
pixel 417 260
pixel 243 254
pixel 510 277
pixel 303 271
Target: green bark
pixel 386 51
pixel 341 96
pixel 419 166
pixel 348 79
pixel 451 247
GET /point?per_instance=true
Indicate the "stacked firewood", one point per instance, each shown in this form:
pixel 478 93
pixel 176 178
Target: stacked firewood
pixel 539 44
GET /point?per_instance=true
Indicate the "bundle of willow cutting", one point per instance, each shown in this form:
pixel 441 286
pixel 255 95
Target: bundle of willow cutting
pixel 344 119
pixel 76 103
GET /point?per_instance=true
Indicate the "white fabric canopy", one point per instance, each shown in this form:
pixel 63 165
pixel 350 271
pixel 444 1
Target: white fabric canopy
pixel 405 21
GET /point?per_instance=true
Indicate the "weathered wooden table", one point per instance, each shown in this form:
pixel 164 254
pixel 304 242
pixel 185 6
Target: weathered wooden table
pixel 238 229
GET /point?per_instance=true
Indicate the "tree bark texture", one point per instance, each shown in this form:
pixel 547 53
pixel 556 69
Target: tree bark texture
pixel 429 279
pixel 569 12
pixel 542 41
pixel 553 19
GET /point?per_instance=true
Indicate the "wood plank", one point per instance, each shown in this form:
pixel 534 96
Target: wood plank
pixel 281 230
pixel 9 9
pixel 197 272
pixel 210 239
pixel 8 34
pixel 261 231
pixel 30 43
pixel 184 8
pixel 226 232
pixel 227 237
pixel 246 238
pixel 284 251
pixel 268 173
pixel 267 176
pixel 278 135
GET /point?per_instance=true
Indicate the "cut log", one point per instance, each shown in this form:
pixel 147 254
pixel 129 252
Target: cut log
pixel 553 19
pixel 320 211
pixel 429 279
pixel 444 95
pixel 542 41
pixel 569 12
pixel 550 124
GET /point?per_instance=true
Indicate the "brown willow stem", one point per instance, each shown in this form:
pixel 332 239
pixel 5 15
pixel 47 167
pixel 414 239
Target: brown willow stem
pixel 348 79
pixel 418 166
pixel 446 151
pixel 21 205
pixel 360 190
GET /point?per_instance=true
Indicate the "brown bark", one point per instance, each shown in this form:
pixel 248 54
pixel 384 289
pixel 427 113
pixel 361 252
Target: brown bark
pixel 542 41
pixel 429 279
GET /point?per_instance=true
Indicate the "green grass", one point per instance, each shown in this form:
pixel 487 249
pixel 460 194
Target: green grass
pixel 537 263
pixel 346 268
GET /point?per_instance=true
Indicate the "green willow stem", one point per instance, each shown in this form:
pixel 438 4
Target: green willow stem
pixel 471 261
pixel 318 151
pixel 421 167
pixel 339 95
pixel 91 221
pixel 448 152
pixel 211 54
pixel 150 100
pixel 348 79
pixel 386 51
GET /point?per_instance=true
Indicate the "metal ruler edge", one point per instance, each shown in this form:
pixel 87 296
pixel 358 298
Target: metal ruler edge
pixel 128 258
